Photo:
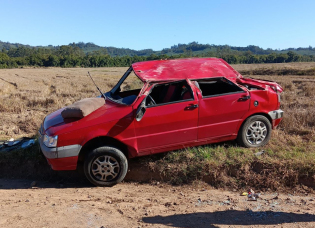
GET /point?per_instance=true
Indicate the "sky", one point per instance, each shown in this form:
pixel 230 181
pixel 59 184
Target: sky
pixel 158 24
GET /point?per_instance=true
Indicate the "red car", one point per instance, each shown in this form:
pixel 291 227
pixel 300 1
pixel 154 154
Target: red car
pixel 160 106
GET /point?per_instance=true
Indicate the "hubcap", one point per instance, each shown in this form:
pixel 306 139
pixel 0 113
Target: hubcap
pixel 105 168
pixel 256 132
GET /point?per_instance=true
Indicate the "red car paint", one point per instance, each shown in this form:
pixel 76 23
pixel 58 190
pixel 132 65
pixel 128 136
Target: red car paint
pixel 196 121
pixel 69 163
pixel 177 69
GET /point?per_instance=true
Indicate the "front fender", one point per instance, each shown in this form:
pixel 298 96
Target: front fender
pixel 91 135
pixel 121 130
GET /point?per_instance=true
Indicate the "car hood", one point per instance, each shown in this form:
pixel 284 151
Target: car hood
pixel 55 124
pixel 53 119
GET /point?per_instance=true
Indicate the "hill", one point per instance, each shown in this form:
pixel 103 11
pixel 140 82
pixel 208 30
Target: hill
pixel 193 48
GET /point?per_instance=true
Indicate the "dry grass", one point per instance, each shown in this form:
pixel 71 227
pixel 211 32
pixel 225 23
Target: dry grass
pixel 28 95
pixel 274 66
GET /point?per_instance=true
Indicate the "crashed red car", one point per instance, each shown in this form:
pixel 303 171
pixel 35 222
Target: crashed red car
pixel 160 106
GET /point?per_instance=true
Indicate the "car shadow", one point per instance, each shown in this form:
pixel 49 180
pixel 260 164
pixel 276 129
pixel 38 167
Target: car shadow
pixel 42 176
pixel 229 217
pixel 36 169
pixel 10 183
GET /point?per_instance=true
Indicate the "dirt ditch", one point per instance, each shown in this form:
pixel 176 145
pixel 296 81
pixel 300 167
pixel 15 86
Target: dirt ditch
pixel 31 164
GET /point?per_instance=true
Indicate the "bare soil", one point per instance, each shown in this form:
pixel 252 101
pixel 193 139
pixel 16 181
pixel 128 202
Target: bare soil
pixel 147 205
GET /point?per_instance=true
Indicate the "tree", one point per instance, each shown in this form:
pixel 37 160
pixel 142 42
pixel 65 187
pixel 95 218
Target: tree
pixel 271 58
pixel 281 58
pixel 4 60
pixel 293 57
pixel 53 60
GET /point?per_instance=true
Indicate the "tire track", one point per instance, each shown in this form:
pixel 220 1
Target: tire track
pixel 12 83
pixel 21 76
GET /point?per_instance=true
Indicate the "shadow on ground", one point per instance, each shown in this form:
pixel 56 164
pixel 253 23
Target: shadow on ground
pixel 33 183
pixel 22 176
pixel 229 217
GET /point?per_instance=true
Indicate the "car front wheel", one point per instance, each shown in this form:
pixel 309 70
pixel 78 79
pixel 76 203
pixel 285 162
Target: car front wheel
pixel 255 132
pixel 105 166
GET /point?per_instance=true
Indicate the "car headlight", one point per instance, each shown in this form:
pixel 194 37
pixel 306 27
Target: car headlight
pixel 50 141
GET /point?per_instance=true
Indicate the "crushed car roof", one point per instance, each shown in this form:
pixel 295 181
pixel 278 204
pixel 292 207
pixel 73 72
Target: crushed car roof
pixel 192 68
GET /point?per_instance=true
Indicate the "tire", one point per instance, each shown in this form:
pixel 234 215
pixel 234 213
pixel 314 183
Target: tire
pixel 105 166
pixel 255 132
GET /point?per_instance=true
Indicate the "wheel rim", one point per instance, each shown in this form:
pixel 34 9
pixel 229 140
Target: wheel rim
pixel 256 132
pixel 105 168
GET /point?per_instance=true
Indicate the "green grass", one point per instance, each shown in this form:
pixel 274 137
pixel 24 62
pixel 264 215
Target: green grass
pixel 229 165
pixel 220 165
pixel 285 163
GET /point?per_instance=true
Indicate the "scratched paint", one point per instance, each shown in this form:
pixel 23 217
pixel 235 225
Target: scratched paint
pixel 177 69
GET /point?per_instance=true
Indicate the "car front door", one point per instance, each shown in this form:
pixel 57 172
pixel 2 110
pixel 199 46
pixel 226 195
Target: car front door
pixel 170 118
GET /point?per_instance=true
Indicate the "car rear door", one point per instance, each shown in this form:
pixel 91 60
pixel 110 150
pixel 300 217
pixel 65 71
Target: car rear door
pixel 169 120
pixel 222 106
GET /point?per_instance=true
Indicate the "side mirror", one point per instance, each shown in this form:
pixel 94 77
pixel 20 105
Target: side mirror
pixel 140 111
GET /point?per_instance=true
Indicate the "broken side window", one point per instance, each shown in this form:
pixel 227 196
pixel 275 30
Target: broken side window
pixel 217 86
pixel 169 93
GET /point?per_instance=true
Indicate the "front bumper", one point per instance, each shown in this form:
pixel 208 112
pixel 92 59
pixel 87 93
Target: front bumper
pixel 277 114
pixel 61 158
pixel 276 117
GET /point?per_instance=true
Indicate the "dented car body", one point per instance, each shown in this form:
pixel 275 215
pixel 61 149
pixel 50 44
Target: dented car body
pixel 174 104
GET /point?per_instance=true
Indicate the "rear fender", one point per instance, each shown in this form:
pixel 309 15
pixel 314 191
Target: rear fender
pixel 261 83
pixel 255 114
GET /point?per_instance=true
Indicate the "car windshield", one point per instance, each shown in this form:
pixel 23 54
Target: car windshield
pixel 127 88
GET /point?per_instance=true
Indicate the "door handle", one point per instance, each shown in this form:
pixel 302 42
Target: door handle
pixel 244 98
pixel 192 106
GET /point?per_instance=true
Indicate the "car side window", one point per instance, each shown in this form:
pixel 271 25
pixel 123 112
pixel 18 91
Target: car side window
pixel 217 86
pixel 169 93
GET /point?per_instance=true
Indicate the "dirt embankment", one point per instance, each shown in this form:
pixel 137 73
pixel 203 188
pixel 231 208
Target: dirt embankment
pixel 257 173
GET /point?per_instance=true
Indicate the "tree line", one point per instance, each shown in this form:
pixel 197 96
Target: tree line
pixel 74 56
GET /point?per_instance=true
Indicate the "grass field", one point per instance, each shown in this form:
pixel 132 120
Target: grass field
pixel 28 95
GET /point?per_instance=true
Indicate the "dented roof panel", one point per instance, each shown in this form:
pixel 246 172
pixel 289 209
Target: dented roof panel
pixel 192 68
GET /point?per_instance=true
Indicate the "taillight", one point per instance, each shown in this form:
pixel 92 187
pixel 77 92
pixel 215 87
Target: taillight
pixel 274 88
pixel 279 99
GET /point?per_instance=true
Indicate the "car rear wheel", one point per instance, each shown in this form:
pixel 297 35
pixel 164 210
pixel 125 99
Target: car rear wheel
pixel 255 132
pixel 105 166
